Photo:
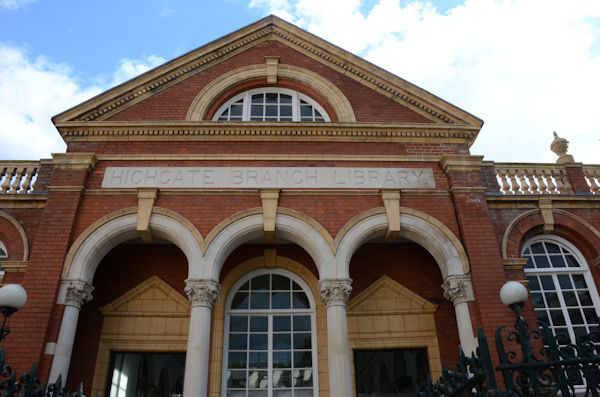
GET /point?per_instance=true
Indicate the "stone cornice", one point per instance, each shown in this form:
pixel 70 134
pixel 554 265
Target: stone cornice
pixel 187 130
pixel 273 28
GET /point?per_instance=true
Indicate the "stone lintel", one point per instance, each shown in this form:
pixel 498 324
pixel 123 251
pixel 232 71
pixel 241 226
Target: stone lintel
pixel 391 202
pixel 74 161
pixel 146 197
pixel 514 263
pixel 269 199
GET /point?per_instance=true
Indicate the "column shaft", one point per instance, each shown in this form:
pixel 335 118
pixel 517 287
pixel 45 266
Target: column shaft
pixel 465 328
pixel 64 345
pixel 198 352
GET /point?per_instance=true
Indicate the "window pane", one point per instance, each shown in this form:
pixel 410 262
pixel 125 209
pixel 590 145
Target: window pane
pixel 283 98
pixel 302 341
pixel 302 360
pixel 552 299
pixel 541 261
pixel 238 324
pixel 285 111
pixel 256 393
pixel 552 248
pixel 575 316
pixel 590 316
pixel 237 360
pixel 570 298
pixel 557 261
pixel 259 300
pixel 238 341
pixel 259 324
pixel 557 317
pixel 282 359
pixel 259 360
pixel 283 393
pixel 565 281
pixel 534 285
pixel 300 300
pixel 303 377
pixel 282 342
pixel 529 264
pixel 571 261
pixel 301 323
pixel 306 111
pixel 258 341
pixel 256 110
pixel 236 379
pixel 257 98
pixel 537 248
pixel 240 301
pixel 584 298
pixel 271 98
pixel 280 282
pixel 579 281
pixel 271 110
pixel 282 378
pixel 258 379
pixel 542 316
pixel 236 110
pixel 281 300
pixel 547 282
pixel 260 283
pixel 281 323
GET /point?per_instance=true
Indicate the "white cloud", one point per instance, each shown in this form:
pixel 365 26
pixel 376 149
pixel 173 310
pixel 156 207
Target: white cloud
pixel 167 12
pixel 130 68
pixel 526 67
pixel 14 4
pixel 34 90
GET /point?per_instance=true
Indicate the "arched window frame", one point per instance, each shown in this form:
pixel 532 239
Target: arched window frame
pixel 583 269
pixel 310 311
pixel 3 248
pixel 296 97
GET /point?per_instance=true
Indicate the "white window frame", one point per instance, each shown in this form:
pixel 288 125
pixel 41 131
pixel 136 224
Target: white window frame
pixel 554 272
pixel 296 97
pixel 3 247
pixel 270 312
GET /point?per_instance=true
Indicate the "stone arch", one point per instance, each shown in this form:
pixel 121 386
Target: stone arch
pixel 21 231
pixel 567 225
pixel 249 225
pixel 106 233
pixel 416 226
pixel 334 96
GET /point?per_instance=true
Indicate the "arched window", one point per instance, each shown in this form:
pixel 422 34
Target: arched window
pixel 271 104
pixel 562 288
pixel 270 339
pixel 3 251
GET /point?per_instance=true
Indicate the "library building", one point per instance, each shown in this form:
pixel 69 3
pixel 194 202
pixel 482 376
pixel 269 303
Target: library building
pixel 271 216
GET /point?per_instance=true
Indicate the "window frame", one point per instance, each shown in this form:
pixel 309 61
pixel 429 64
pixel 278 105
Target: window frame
pixel 583 269
pixel 3 248
pixel 296 97
pixel 270 312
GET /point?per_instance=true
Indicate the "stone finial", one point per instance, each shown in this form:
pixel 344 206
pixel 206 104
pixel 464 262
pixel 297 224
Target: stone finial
pixel 78 292
pixel 335 291
pixel 202 292
pixel 458 289
pixel 560 146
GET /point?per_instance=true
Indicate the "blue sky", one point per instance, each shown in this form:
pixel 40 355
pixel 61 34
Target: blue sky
pixel 527 67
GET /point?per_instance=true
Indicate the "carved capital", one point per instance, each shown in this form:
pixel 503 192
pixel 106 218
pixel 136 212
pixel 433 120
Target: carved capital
pixel 78 292
pixel 458 289
pixel 335 291
pixel 202 292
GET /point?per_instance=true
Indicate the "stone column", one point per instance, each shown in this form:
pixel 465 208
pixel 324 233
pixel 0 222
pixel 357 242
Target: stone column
pixel 458 290
pixel 334 294
pixel 202 294
pixel 78 292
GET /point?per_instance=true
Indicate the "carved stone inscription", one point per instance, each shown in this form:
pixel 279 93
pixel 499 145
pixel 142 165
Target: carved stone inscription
pixel 268 177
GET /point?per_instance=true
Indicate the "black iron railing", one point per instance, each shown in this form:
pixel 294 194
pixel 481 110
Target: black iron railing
pixel 28 385
pixel 532 363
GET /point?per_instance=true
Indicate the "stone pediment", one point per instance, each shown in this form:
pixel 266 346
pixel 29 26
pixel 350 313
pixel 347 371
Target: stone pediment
pixel 152 297
pixel 386 296
pixel 113 101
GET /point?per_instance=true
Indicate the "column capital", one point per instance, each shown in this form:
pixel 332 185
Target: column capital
pixel 202 292
pixel 458 289
pixel 335 292
pixel 77 292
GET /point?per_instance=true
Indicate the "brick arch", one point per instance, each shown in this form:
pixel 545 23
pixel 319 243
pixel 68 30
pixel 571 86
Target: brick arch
pixel 14 237
pixel 566 225
pixel 342 109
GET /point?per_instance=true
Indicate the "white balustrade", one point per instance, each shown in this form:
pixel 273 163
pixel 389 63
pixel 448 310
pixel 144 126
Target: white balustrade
pixel 532 179
pixel 592 175
pixel 18 177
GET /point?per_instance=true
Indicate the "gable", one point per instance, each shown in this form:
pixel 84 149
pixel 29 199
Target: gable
pixel 318 54
pixel 151 297
pixel 387 295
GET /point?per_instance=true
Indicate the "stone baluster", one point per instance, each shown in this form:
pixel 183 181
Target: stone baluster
pixel 335 293
pixel 77 293
pixel 558 179
pixel 541 183
pixel 202 294
pixel 26 185
pixel 7 174
pixel 16 184
pixel 534 187
pixel 524 181
pixel 505 186
pixel 593 177
pixel 516 189
pixel 552 188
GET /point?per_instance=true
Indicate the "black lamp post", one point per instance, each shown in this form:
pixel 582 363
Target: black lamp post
pixel 12 298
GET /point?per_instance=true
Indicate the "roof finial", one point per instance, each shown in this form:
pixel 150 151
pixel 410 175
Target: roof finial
pixel 560 146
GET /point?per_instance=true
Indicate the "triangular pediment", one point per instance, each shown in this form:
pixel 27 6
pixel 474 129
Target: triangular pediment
pixel 151 297
pixel 115 100
pixel 385 295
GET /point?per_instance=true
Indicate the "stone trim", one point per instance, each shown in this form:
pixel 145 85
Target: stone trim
pixel 14 266
pixel 74 161
pixel 458 289
pixel 514 263
pixel 461 163
pixel 13 221
pixel 212 130
pixel 202 292
pixel 266 157
pixel 204 99
pixel 77 292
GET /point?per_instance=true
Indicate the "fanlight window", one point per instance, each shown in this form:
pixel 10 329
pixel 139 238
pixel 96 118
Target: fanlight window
pixel 271 104
pixel 562 289
pixel 269 339
pixel 3 251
